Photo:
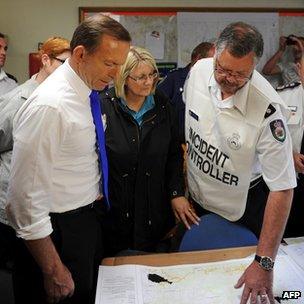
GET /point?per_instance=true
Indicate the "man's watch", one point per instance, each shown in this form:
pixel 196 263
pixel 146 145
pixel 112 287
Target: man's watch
pixel 265 262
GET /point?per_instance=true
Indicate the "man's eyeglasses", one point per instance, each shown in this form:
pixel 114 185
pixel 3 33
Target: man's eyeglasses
pixel 222 72
pixel 144 78
pixel 60 60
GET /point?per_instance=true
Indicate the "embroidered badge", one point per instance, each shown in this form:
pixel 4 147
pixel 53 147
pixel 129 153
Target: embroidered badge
pixel 278 130
pixel 234 141
pixel 270 110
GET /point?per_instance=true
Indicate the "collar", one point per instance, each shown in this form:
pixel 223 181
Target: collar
pixel 148 104
pixel 213 86
pixel 216 95
pixel 75 81
pixel 28 87
pixel 2 74
pixel 239 99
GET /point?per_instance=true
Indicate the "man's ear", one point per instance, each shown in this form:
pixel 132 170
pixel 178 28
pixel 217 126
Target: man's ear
pixel 79 53
pixel 300 70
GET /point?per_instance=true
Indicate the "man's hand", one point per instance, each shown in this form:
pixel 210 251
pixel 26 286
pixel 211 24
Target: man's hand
pixel 184 212
pixel 258 285
pixel 298 162
pixel 59 284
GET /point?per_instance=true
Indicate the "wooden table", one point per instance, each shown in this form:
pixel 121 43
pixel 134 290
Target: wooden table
pixel 194 257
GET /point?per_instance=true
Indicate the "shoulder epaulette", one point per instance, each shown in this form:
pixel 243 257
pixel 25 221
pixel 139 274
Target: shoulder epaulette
pixel 290 85
pixel 174 70
pixel 270 110
pixel 11 77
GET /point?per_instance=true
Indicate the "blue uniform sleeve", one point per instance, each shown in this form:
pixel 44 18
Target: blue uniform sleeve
pixel 167 86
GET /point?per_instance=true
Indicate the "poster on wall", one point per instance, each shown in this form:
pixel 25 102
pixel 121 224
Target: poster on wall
pixel 155 42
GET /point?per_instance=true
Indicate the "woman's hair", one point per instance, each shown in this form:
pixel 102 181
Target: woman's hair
pixel 136 55
pixel 55 46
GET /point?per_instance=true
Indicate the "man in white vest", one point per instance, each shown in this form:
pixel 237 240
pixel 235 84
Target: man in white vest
pixel 240 163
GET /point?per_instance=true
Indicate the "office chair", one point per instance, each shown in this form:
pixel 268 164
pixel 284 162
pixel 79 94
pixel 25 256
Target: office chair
pixel 215 232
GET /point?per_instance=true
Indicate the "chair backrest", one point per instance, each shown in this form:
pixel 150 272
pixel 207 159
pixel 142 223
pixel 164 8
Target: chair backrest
pixel 215 232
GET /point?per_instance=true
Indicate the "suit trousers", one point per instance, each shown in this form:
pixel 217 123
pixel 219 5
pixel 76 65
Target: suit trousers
pixel 78 240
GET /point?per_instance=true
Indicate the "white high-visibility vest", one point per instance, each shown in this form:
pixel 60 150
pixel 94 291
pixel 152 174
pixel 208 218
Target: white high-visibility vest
pixel 222 142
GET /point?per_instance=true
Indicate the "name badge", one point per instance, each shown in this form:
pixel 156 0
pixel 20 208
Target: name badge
pixel 193 115
pixel 293 109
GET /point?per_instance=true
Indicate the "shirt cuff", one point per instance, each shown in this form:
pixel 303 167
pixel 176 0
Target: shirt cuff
pixel 281 186
pixel 36 231
pixel 176 193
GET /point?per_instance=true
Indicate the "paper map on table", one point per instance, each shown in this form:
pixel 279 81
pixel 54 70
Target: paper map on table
pixel 296 252
pixel 208 283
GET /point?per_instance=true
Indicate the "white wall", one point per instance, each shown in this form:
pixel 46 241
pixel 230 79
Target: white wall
pixel 28 22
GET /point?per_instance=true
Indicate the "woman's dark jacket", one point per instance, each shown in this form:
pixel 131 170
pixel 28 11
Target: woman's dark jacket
pixel 145 173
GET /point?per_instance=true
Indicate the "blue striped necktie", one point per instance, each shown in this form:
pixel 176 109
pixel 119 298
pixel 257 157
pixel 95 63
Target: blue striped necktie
pixel 100 136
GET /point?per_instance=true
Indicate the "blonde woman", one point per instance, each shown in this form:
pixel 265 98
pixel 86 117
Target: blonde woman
pixel 146 185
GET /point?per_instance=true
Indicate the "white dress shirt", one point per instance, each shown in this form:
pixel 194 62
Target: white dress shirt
pixel 9 105
pixel 269 156
pixel 294 99
pixel 6 83
pixel 54 164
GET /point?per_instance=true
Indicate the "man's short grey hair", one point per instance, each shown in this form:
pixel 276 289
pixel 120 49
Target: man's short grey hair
pixel 240 39
pixel 90 31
